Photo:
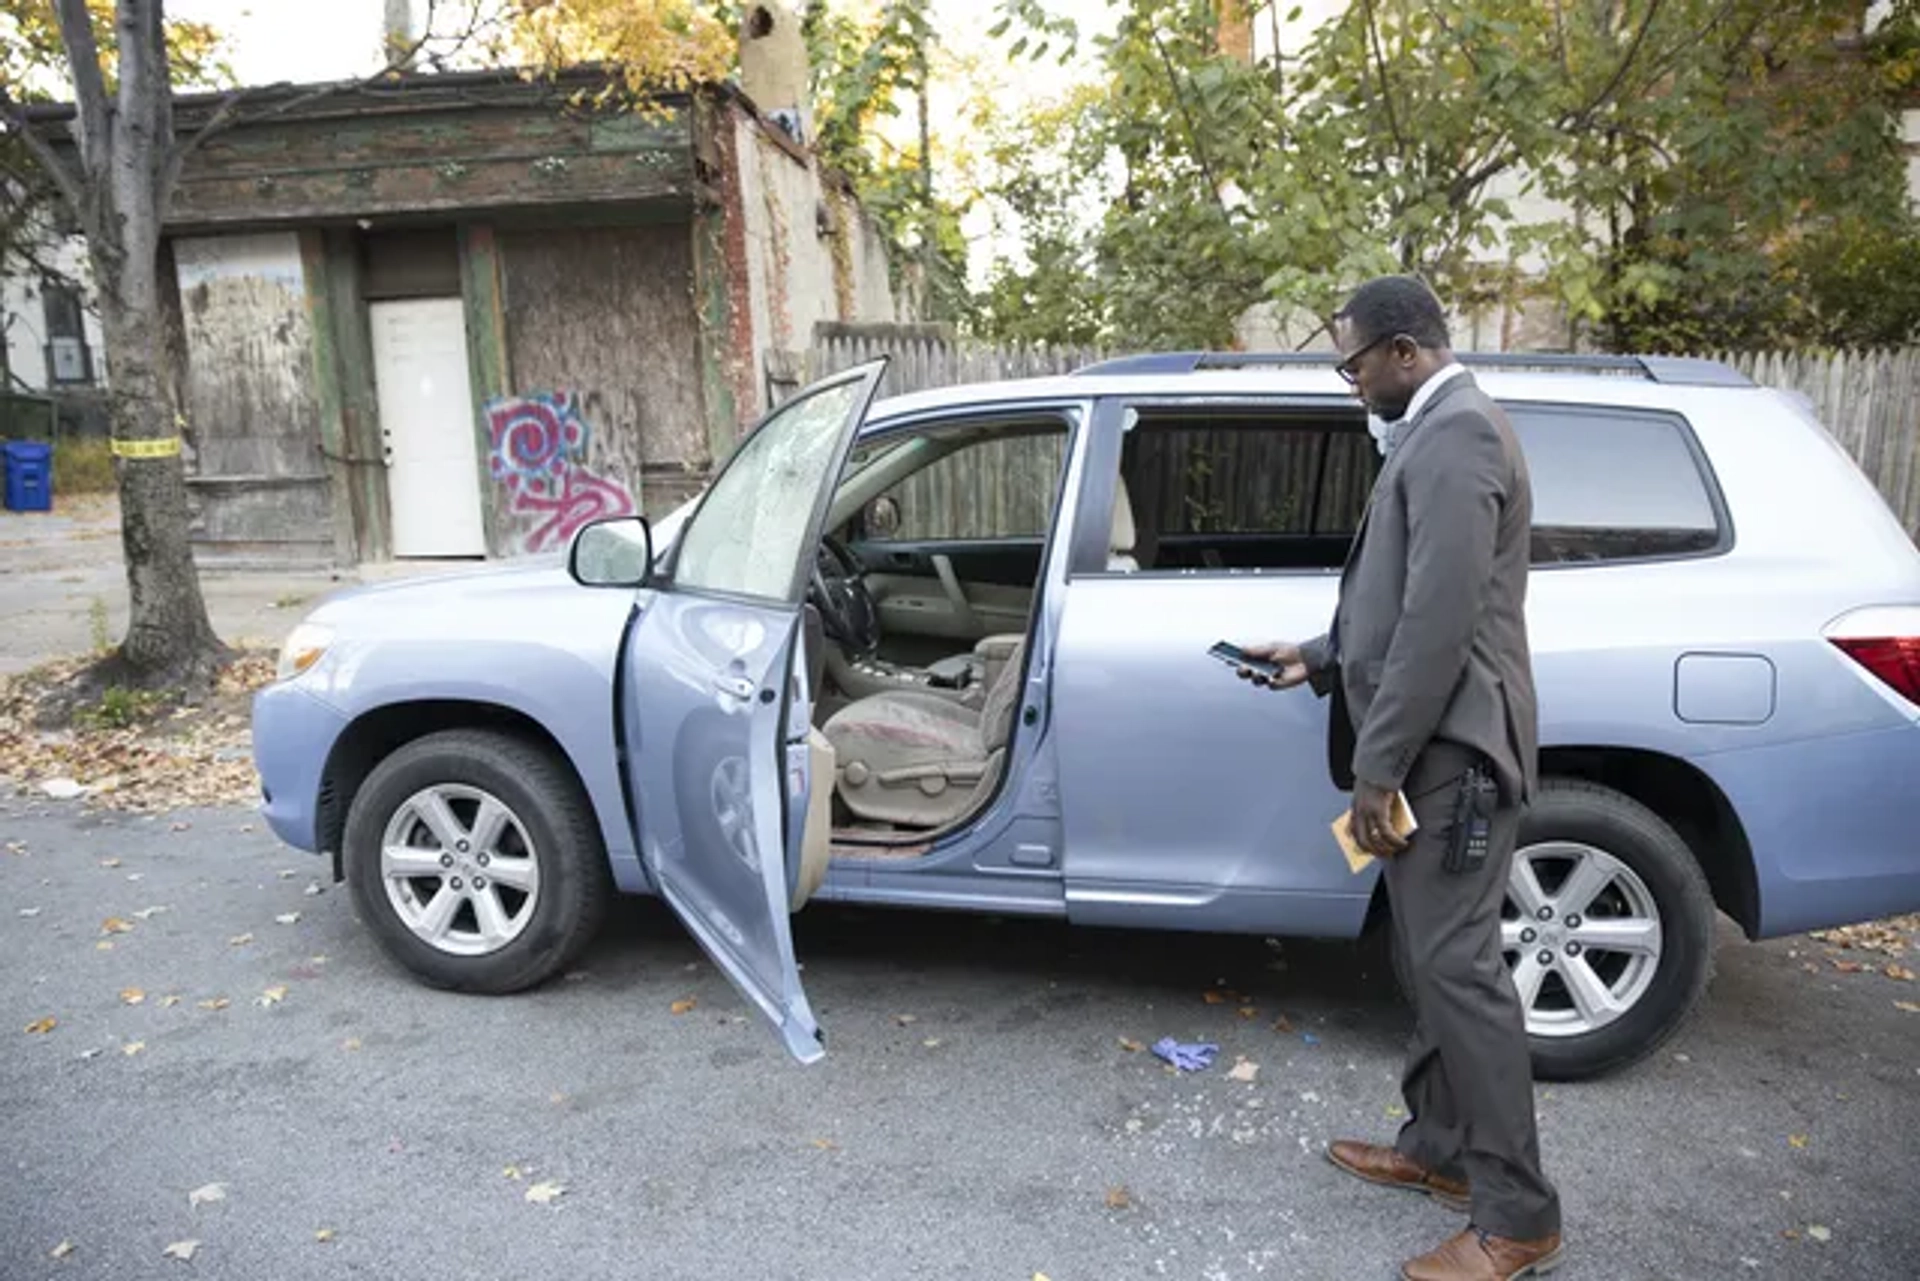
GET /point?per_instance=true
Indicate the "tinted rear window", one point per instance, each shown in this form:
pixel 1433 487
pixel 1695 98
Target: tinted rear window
pixel 1614 484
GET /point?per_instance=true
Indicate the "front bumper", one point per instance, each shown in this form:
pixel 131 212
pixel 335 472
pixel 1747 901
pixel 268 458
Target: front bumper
pixel 293 735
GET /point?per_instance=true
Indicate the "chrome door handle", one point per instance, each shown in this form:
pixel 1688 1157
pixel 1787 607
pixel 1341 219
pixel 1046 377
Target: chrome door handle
pixel 739 687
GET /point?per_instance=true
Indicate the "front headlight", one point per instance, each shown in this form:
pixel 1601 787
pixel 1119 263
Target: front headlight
pixel 303 649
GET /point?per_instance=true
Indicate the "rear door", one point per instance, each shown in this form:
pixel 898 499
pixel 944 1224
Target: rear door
pixel 1193 799
pixel 716 706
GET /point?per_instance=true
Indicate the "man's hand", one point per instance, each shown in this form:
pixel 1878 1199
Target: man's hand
pixel 1373 820
pixel 1282 654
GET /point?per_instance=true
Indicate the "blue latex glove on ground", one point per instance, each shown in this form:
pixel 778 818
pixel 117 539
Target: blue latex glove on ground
pixel 1187 1058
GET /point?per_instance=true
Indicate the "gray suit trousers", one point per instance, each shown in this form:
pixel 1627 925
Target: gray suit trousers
pixel 1468 1081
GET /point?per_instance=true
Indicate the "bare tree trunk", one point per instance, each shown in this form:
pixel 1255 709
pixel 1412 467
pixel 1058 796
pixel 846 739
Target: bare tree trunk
pixel 170 639
pixel 126 150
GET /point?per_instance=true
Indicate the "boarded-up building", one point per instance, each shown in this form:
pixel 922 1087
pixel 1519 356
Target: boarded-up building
pixel 458 315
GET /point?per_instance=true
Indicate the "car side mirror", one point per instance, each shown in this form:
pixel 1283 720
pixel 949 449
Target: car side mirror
pixel 614 552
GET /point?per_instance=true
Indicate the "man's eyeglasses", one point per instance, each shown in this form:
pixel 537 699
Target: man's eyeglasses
pixel 1349 368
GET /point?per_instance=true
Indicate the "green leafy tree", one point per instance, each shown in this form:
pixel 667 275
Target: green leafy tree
pixel 867 69
pixel 1691 146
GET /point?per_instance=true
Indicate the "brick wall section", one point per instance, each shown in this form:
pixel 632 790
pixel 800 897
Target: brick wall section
pixel 739 337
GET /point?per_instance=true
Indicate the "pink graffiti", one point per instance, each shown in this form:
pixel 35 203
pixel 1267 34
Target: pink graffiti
pixel 539 456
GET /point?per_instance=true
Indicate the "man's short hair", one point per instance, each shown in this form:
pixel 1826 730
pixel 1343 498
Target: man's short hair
pixel 1389 305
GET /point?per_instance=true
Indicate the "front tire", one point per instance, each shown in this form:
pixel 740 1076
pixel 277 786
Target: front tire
pixel 474 858
pixel 1607 929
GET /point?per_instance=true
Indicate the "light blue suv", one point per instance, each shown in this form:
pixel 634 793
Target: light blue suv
pixel 950 650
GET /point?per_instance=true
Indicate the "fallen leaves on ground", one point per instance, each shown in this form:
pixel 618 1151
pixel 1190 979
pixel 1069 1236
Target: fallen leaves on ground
pixel 180 756
pixel 207 1193
pixel 1118 1198
pixel 323 1235
pixel 115 925
pixel 682 1006
pixel 240 940
pixel 131 996
pixel 905 1019
pixel 1214 997
pixel 168 1001
pixel 1900 972
pixel 109 862
pixel 287 918
pixel 39 1026
pixel 511 1172
pixel 1891 936
pixel 182 1250
pixel 545 1191
pixel 1130 1045
pixel 1283 1024
pixel 215 1003
pixel 148 913
pixel 351 1043
pixel 61 1251
pixel 1243 1070
pixel 1820 1232
pixel 1851 967
pixel 1910 1007
pixel 1797 1140
pixel 132 1048
pixel 274 995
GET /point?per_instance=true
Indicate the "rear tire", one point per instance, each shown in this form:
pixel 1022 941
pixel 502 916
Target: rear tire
pixel 1643 875
pixel 475 859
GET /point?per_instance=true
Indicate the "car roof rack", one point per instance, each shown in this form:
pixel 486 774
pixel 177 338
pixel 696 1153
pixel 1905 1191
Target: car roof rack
pixel 1684 371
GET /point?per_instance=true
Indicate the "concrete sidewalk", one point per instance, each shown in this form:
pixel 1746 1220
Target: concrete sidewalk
pixel 62 581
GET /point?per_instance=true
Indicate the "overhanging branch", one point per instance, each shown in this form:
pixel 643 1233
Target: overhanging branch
pixel 55 169
pixel 91 107
pixel 183 149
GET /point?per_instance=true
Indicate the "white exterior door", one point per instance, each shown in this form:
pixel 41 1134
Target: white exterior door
pixel 427 427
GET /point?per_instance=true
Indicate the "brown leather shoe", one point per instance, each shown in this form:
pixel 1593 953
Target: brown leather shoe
pixel 1475 1255
pixel 1390 1168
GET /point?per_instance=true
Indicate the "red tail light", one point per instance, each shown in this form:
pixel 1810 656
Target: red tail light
pixel 1894 659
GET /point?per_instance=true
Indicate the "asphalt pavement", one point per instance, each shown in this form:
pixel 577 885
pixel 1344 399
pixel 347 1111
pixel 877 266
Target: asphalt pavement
pixel 242 1069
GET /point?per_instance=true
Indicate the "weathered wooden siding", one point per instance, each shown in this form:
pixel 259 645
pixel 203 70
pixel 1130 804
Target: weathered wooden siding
pixel 416 155
pixel 250 400
pixel 605 381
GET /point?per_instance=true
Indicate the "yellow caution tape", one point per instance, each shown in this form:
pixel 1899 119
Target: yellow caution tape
pixel 145 448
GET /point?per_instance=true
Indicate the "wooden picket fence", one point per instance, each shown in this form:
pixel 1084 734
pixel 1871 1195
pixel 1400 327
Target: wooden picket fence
pixel 1868 400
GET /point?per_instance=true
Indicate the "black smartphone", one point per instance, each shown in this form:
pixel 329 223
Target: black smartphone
pixel 1233 656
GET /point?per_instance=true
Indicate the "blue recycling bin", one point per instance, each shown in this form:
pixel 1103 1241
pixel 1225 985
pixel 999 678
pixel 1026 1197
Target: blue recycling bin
pixel 29 476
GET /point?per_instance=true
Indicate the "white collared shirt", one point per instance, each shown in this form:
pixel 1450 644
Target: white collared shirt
pixel 1385 433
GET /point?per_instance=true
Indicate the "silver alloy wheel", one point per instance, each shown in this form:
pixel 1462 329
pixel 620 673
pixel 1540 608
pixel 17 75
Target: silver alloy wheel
pixel 459 869
pixel 1581 933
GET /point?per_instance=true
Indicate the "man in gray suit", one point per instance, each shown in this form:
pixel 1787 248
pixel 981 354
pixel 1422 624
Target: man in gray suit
pixel 1428 665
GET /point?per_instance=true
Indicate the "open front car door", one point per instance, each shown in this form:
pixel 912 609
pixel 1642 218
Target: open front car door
pixel 716 706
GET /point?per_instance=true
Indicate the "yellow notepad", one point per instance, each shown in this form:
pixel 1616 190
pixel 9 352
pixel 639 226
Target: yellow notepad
pixel 1403 823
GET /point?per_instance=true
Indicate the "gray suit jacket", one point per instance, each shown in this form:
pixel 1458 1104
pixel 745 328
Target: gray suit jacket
pixel 1431 624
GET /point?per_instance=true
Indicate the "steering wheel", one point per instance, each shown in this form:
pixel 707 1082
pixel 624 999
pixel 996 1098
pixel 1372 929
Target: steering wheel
pixel 839 592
